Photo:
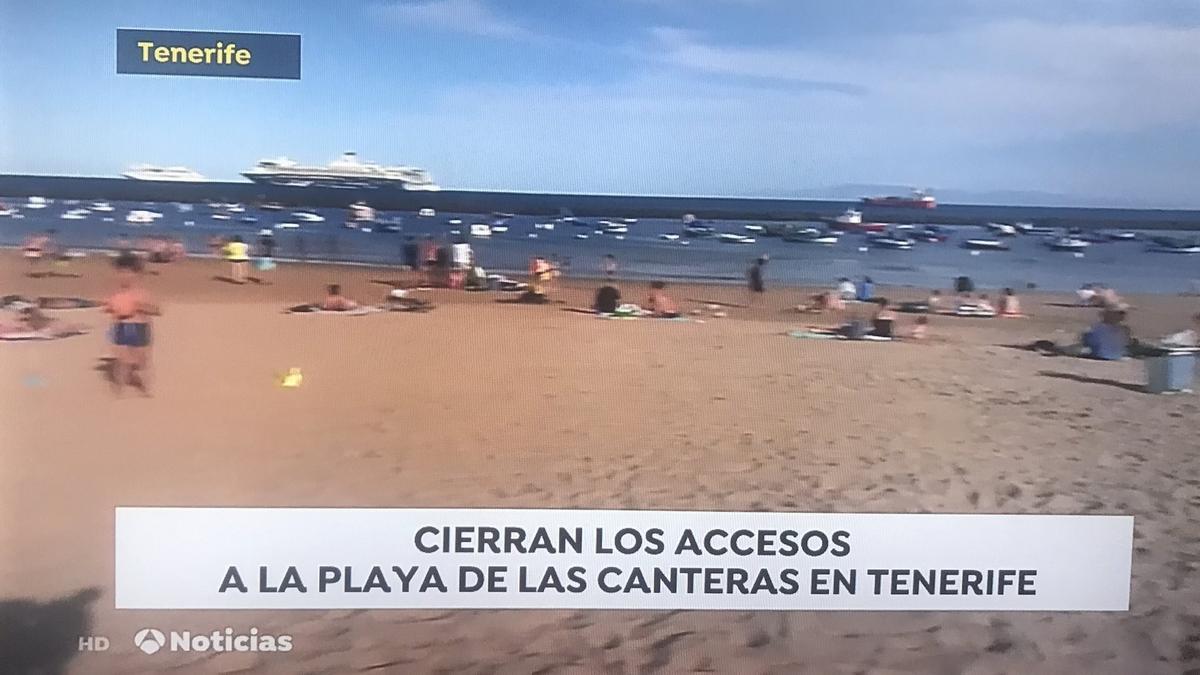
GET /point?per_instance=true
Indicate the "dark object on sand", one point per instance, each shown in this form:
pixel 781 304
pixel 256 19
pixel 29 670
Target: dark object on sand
pixel 607 299
pixel 913 307
pixel 532 298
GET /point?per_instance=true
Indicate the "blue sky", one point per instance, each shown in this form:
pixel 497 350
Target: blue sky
pixel 1099 99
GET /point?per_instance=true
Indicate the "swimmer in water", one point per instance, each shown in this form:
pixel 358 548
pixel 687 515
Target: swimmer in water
pixel 131 308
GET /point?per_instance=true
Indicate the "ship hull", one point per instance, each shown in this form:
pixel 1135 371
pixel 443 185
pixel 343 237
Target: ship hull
pixel 899 202
pixel 344 182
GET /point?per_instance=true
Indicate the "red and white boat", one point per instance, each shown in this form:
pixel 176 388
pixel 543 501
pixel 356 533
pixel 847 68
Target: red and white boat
pixel 919 199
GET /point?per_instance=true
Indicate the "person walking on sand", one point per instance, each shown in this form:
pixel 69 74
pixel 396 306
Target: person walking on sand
pixel 237 252
pixel 131 308
pixel 35 249
pixel 610 265
pixel 754 279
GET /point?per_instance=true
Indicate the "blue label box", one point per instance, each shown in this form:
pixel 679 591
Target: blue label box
pixel 208 54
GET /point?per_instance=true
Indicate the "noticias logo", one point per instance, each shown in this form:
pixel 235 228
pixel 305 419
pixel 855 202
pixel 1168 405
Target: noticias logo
pixel 151 640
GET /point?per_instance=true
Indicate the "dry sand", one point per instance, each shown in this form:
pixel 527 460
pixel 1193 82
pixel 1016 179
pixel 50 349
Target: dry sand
pixel 485 404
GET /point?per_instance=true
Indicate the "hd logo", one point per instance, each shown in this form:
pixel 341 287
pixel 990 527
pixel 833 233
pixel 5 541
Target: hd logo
pixel 152 640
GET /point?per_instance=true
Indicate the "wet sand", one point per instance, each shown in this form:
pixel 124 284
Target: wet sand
pixel 489 404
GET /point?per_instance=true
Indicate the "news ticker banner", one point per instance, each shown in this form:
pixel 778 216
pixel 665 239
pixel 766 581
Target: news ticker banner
pixel 208 54
pixel 349 558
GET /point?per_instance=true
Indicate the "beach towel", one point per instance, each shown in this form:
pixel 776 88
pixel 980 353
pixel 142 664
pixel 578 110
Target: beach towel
pixel 970 311
pixel 822 334
pixel 20 334
pixel 313 309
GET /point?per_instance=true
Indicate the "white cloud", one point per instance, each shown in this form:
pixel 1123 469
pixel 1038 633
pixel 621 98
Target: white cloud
pixel 1009 79
pixel 460 16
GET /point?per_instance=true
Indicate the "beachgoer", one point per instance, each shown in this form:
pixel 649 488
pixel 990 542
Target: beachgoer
pixel 266 251
pixel 1107 340
pixel 237 252
pixel 1010 305
pixel 36 248
pixel 865 290
pixel 754 279
pixel 920 329
pixel 984 306
pixel 846 289
pixel 884 322
pixel 131 308
pixel 336 302
pixel 659 303
pixel 216 245
pixel 608 297
pixel 934 302
pixel 541 273
pixel 610 265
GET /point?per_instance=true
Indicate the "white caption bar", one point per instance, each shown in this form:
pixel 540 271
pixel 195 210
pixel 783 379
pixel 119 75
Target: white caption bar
pixel 308 558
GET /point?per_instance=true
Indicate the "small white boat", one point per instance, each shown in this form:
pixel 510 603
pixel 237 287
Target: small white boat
pixel 897 243
pixel 985 245
pixel 619 237
pixel 1002 229
pixel 142 217
pixel 730 238
pixel 629 221
pixel 426 213
pixel 287 226
pixel 481 230
pixel 849 217
pixel 669 237
pixel 308 217
pixel 822 239
pixel 1030 228
pixel 454 221
pixel 754 228
pixel 499 229
pixel 1123 236
pixel 102 207
pixel 235 208
pixel 75 214
pixel 1175 249
pixel 249 220
pixel 581 235
pixel 613 228
pixel 36 203
pixel 220 216
pixel 543 226
pixel 4 212
pixel 271 206
pixel 1068 244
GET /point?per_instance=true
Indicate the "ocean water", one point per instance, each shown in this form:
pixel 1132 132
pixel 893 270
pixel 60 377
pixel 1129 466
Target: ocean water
pixel 1128 266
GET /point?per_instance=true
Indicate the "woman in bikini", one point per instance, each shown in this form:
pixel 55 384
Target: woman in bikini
pixel 131 308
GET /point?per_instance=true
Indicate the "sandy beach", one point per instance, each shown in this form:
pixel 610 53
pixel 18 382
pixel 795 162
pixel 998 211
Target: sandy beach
pixel 489 404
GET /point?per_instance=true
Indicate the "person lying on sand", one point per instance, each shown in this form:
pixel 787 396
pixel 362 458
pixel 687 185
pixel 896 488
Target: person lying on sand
pixel 1107 340
pixel 398 300
pixel 336 302
pixel 659 304
pixel 33 323
pixel 823 302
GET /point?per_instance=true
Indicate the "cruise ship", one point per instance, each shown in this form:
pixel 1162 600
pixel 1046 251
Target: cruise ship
pixel 164 173
pixel 344 172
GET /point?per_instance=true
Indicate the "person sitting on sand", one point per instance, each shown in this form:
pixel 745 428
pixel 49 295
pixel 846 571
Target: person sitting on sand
pixel 846 289
pixel 920 329
pixel 608 298
pixel 866 289
pixel 1107 340
pixel 934 302
pixel 659 304
pixel 336 302
pixel 131 308
pixel 884 322
pixel 1010 305
pixel 984 305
